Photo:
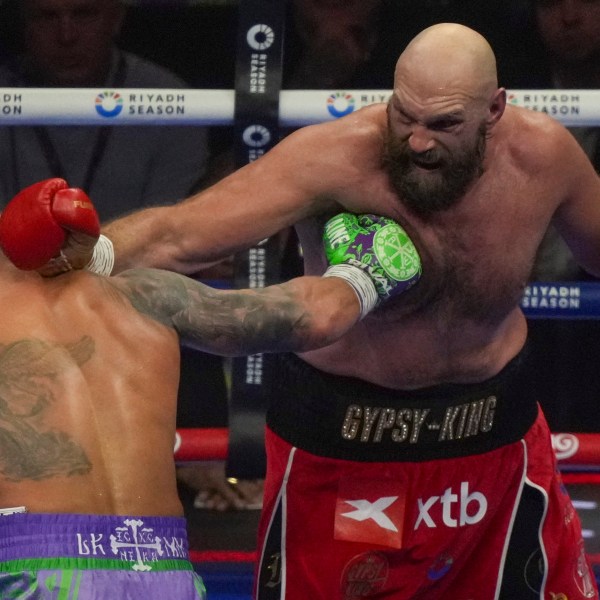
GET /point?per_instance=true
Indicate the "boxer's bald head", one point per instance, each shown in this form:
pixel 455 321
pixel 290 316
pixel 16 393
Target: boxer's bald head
pixel 448 59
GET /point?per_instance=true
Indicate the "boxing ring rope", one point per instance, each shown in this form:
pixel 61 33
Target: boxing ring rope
pixel 133 106
pixel 574 451
pixel 115 107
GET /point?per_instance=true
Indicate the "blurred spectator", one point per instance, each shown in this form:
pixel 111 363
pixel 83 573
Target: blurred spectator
pixel 336 43
pixel 569 32
pixel 72 43
pixel 354 44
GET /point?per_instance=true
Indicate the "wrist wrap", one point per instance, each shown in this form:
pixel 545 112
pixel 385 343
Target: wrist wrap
pixel 103 259
pixel 361 283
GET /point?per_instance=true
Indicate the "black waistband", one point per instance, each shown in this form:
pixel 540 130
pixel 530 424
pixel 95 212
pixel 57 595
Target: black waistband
pixel 347 418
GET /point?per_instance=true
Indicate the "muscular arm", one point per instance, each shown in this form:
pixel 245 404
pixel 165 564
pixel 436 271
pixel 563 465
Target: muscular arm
pixel 245 207
pixel 302 314
pixel 312 171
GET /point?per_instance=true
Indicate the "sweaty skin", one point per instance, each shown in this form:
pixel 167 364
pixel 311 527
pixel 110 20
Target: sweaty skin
pixel 89 376
pixel 461 323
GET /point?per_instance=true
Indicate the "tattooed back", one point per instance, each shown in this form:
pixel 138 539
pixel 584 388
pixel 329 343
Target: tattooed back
pixel 88 390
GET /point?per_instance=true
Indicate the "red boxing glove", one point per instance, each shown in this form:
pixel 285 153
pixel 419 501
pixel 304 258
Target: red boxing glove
pixel 34 224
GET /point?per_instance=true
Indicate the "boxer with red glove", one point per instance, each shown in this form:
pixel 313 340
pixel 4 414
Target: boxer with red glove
pixel 35 225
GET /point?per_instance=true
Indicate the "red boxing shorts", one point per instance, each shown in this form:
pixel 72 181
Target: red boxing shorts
pixel 450 492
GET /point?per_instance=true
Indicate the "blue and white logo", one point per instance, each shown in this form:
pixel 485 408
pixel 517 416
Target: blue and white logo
pixel 340 104
pixel 256 136
pixel 109 104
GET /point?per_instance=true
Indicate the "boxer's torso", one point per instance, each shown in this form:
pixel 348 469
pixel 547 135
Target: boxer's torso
pixel 461 322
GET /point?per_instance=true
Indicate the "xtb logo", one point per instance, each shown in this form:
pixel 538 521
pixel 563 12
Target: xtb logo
pixel 372 510
pixel 456 511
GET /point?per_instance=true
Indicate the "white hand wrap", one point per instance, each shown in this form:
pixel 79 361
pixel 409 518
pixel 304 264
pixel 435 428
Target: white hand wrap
pixel 103 259
pixel 361 283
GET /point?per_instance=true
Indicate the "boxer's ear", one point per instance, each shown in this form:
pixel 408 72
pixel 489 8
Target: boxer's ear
pixel 496 107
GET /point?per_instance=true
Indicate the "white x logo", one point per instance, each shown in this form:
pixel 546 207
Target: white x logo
pixel 372 510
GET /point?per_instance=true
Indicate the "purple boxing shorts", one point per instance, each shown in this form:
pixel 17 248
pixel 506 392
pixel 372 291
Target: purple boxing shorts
pixel 96 557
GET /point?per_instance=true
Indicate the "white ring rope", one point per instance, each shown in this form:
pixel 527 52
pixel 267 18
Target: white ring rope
pixel 133 106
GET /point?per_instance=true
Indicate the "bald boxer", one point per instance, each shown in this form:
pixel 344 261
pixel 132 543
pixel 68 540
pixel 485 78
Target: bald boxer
pixel 89 370
pixel 409 459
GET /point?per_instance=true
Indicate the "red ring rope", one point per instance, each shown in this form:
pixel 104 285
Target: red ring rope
pixel 201 444
pixel 207 444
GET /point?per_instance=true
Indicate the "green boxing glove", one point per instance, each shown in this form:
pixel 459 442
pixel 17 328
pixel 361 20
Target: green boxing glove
pixel 373 254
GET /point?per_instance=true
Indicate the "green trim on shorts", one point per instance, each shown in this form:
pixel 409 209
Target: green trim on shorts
pixel 199 585
pixel 66 591
pixel 49 564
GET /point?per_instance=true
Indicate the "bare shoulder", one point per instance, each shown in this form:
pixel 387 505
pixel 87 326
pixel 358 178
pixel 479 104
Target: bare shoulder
pixel 342 148
pixel 327 164
pixel 365 125
pixel 537 141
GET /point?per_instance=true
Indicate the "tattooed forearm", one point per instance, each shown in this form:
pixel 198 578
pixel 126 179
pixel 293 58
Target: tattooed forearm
pixel 247 322
pixel 232 322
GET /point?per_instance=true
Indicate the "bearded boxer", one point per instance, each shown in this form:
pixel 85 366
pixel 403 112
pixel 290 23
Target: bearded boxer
pixel 410 459
pixel 89 370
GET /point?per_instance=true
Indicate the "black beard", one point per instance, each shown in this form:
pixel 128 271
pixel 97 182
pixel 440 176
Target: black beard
pixel 428 193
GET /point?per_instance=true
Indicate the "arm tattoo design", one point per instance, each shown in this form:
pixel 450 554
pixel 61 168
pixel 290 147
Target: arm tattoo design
pixel 230 323
pixel 28 370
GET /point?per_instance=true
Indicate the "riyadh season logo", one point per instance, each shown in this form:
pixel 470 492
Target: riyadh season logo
pixel 260 37
pixel 340 104
pixel 256 136
pixel 513 99
pixel 563 104
pixel 109 104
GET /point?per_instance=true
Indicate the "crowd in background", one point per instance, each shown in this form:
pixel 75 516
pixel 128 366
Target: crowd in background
pixel 538 43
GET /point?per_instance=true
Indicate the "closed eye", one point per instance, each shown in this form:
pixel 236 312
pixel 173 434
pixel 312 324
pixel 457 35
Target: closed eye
pixel 443 124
